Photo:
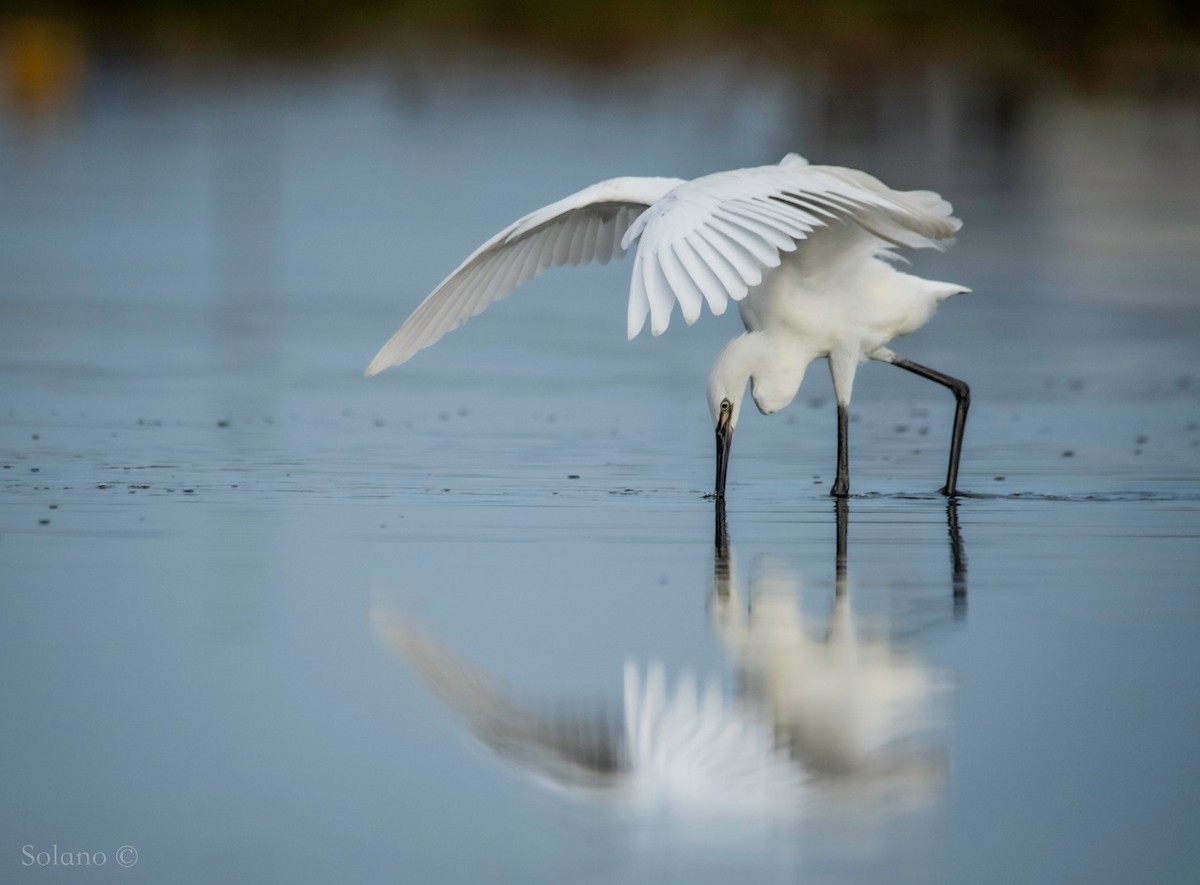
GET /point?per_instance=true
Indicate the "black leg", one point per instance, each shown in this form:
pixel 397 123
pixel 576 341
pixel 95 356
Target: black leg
pixel 841 485
pixel 962 399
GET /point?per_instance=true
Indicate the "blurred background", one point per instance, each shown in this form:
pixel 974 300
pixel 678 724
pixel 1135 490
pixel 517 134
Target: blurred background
pixel 1100 42
pixel 54 54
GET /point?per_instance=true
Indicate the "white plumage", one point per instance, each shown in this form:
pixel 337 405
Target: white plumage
pixel 801 248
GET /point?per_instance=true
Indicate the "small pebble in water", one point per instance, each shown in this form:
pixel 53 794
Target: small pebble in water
pixel 43 522
pixel 224 422
pixel 998 478
pixel 1068 453
pixel 572 476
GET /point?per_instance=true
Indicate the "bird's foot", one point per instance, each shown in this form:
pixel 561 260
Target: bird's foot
pixel 841 489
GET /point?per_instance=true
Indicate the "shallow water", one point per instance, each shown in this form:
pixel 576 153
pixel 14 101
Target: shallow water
pixel 209 522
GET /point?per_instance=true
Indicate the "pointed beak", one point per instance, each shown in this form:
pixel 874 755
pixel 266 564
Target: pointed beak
pixel 724 441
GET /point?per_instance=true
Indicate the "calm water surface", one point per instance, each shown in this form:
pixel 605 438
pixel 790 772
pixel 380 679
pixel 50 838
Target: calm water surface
pixel 264 621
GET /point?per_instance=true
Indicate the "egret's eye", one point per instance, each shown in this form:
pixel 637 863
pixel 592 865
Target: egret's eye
pixel 726 405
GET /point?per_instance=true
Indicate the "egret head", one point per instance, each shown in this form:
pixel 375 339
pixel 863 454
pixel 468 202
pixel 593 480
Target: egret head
pixel 726 390
pixel 774 375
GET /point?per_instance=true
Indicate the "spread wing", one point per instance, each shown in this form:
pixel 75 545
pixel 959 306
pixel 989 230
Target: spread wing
pixel 712 239
pixel 586 226
pixel 704 241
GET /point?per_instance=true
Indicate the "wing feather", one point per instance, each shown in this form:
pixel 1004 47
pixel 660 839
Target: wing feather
pixel 562 242
pixel 639 303
pixel 768 230
pixel 687 291
pixel 607 241
pixel 555 235
pixel 796 222
pixel 661 295
pixel 705 277
pixel 587 239
pixel 748 269
pixel 716 261
pixel 763 254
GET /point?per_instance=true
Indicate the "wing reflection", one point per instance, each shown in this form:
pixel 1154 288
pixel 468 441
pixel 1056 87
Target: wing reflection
pixel 822 711
pixel 569 750
pixel 685 744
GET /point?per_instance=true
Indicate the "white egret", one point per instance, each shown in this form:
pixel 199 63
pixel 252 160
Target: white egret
pixel 804 250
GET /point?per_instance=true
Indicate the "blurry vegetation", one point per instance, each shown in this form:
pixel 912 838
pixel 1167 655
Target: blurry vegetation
pixel 1034 36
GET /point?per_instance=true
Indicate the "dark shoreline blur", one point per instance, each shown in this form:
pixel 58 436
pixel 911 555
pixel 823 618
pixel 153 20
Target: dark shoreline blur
pixel 1148 47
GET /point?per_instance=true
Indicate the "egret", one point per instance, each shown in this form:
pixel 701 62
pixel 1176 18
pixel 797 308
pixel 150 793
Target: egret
pixel 806 252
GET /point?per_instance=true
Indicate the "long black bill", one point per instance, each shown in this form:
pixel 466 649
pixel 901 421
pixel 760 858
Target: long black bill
pixel 724 441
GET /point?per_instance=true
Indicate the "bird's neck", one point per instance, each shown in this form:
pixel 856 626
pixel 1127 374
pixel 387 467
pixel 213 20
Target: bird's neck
pixel 775 368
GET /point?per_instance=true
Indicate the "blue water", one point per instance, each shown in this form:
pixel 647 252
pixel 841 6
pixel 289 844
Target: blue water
pixel 203 504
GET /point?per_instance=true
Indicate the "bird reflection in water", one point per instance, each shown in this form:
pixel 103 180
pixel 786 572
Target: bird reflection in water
pixel 860 714
pixel 842 716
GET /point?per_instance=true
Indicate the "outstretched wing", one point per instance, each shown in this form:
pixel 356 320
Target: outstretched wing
pixel 586 226
pixel 712 239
